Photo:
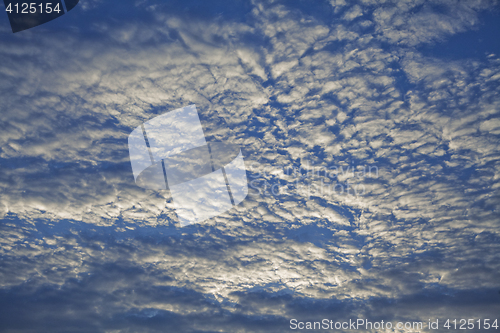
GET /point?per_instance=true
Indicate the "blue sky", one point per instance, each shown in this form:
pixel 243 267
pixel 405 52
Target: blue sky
pixel 409 87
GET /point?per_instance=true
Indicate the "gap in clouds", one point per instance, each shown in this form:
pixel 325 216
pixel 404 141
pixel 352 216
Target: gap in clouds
pixel 477 43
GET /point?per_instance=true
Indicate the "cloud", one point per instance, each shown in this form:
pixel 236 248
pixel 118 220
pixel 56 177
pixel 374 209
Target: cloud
pixel 414 22
pixel 301 93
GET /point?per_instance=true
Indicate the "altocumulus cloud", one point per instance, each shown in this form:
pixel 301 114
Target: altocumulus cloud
pixel 330 84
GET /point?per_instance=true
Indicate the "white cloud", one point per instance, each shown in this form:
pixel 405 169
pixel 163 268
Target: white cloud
pixel 432 206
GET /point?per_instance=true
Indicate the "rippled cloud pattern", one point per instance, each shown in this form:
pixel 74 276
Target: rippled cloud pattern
pixel 370 132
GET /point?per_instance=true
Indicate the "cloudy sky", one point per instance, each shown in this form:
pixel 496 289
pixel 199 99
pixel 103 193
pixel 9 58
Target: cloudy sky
pixel 371 136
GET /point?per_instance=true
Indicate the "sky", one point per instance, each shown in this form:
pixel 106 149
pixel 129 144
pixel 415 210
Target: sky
pixel 370 132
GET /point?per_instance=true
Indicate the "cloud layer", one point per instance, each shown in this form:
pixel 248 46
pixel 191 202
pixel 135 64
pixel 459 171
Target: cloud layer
pixel 330 87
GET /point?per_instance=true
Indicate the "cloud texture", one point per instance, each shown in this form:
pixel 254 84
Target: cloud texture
pixel 330 86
